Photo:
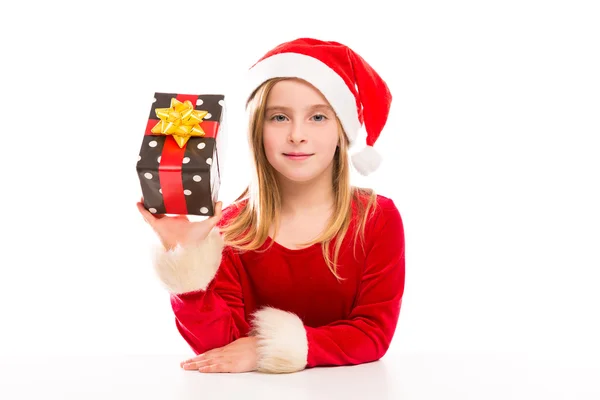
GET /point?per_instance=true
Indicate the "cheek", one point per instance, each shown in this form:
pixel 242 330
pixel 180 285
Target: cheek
pixel 270 143
pixel 328 142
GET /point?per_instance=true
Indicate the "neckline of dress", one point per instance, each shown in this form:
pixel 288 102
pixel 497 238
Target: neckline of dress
pixel 293 251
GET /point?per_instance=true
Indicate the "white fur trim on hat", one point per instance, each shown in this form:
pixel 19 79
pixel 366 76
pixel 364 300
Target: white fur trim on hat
pixel 366 160
pixel 316 73
pixel 282 341
pixel 190 268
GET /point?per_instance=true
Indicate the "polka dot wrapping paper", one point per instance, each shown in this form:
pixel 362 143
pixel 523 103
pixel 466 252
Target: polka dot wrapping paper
pixel 182 179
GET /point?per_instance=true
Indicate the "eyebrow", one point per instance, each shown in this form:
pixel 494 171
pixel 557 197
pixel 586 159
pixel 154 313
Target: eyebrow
pixel 309 108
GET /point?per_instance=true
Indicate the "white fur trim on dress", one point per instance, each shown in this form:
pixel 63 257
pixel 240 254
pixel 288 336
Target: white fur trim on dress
pixel 317 73
pixel 282 341
pixel 366 160
pixel 190 268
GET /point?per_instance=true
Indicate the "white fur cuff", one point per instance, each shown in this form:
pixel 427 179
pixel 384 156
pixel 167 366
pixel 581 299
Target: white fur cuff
pixel 282 341
pixel 186 269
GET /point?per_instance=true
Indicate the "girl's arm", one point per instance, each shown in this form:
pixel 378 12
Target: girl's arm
pixel 209 308
pixel 205 292
pixel 287 345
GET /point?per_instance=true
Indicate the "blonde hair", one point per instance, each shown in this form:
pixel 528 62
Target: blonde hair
pixel 249 229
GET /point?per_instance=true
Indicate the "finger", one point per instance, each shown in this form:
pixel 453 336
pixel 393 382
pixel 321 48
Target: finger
pixel 202 362
pixel 189 360
pixel 212 368
pixel 148 217
pixel 218 213
pixel 204 356
pixel 194 365
pixel 219 208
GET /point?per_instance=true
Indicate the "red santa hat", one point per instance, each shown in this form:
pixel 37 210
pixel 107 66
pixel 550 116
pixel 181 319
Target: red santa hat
pixel 353 88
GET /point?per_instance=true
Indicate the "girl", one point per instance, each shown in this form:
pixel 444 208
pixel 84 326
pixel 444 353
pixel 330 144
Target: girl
pixel 303 270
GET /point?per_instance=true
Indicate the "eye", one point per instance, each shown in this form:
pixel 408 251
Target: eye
pixel 278 118
pixel 319 117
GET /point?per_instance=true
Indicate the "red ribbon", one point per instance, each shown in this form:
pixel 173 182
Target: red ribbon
pixel 171 162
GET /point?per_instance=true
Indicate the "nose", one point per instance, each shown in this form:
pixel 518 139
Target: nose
pixel 296 135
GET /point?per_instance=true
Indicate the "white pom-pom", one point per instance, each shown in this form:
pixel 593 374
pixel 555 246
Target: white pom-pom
pixel 367 160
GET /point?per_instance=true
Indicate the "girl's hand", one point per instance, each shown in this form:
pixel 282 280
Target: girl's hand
pixel 238 356
pixel 179 229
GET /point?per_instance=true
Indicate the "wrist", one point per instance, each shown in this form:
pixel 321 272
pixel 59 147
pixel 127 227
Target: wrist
pixel 197 236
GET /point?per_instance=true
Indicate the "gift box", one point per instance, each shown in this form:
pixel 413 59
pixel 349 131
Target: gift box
pixel 178 163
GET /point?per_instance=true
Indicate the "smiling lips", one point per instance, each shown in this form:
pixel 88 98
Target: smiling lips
pixel 297 156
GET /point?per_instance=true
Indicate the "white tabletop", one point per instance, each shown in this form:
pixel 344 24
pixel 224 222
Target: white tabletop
pixel 406 377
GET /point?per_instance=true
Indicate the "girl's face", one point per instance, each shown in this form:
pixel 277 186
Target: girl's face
pixel 300 132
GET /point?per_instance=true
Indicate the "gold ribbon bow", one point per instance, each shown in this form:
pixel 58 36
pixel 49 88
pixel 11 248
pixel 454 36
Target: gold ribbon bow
pixel 180 120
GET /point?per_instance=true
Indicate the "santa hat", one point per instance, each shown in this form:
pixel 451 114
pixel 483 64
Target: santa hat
pixel 353 88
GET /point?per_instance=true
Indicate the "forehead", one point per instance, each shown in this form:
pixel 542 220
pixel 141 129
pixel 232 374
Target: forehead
pixel 295 93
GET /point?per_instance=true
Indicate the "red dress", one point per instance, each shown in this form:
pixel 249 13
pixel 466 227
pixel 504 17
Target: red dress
pixel 304 317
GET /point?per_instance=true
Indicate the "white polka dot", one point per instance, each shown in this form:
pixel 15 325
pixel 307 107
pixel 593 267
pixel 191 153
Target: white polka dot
pixel 148 175
pixel 209 161
pixel 152 210
pixel 186 160
pixel 222 103
pixel 204 210
pixel 160 191
pixel 187 192
pixel 199 102
pixel 139 158
pixel 154 101
pixel 158 159
pixel 201 145
pixel 208 116
pixel 197 178
pixel 153 143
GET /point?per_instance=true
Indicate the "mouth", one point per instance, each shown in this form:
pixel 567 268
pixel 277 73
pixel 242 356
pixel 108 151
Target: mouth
pixel 297 156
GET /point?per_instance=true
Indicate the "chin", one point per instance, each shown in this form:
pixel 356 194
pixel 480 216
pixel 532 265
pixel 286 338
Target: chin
pixel 299 175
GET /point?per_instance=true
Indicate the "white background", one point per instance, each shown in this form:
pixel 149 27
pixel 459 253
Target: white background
pixel 491 155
